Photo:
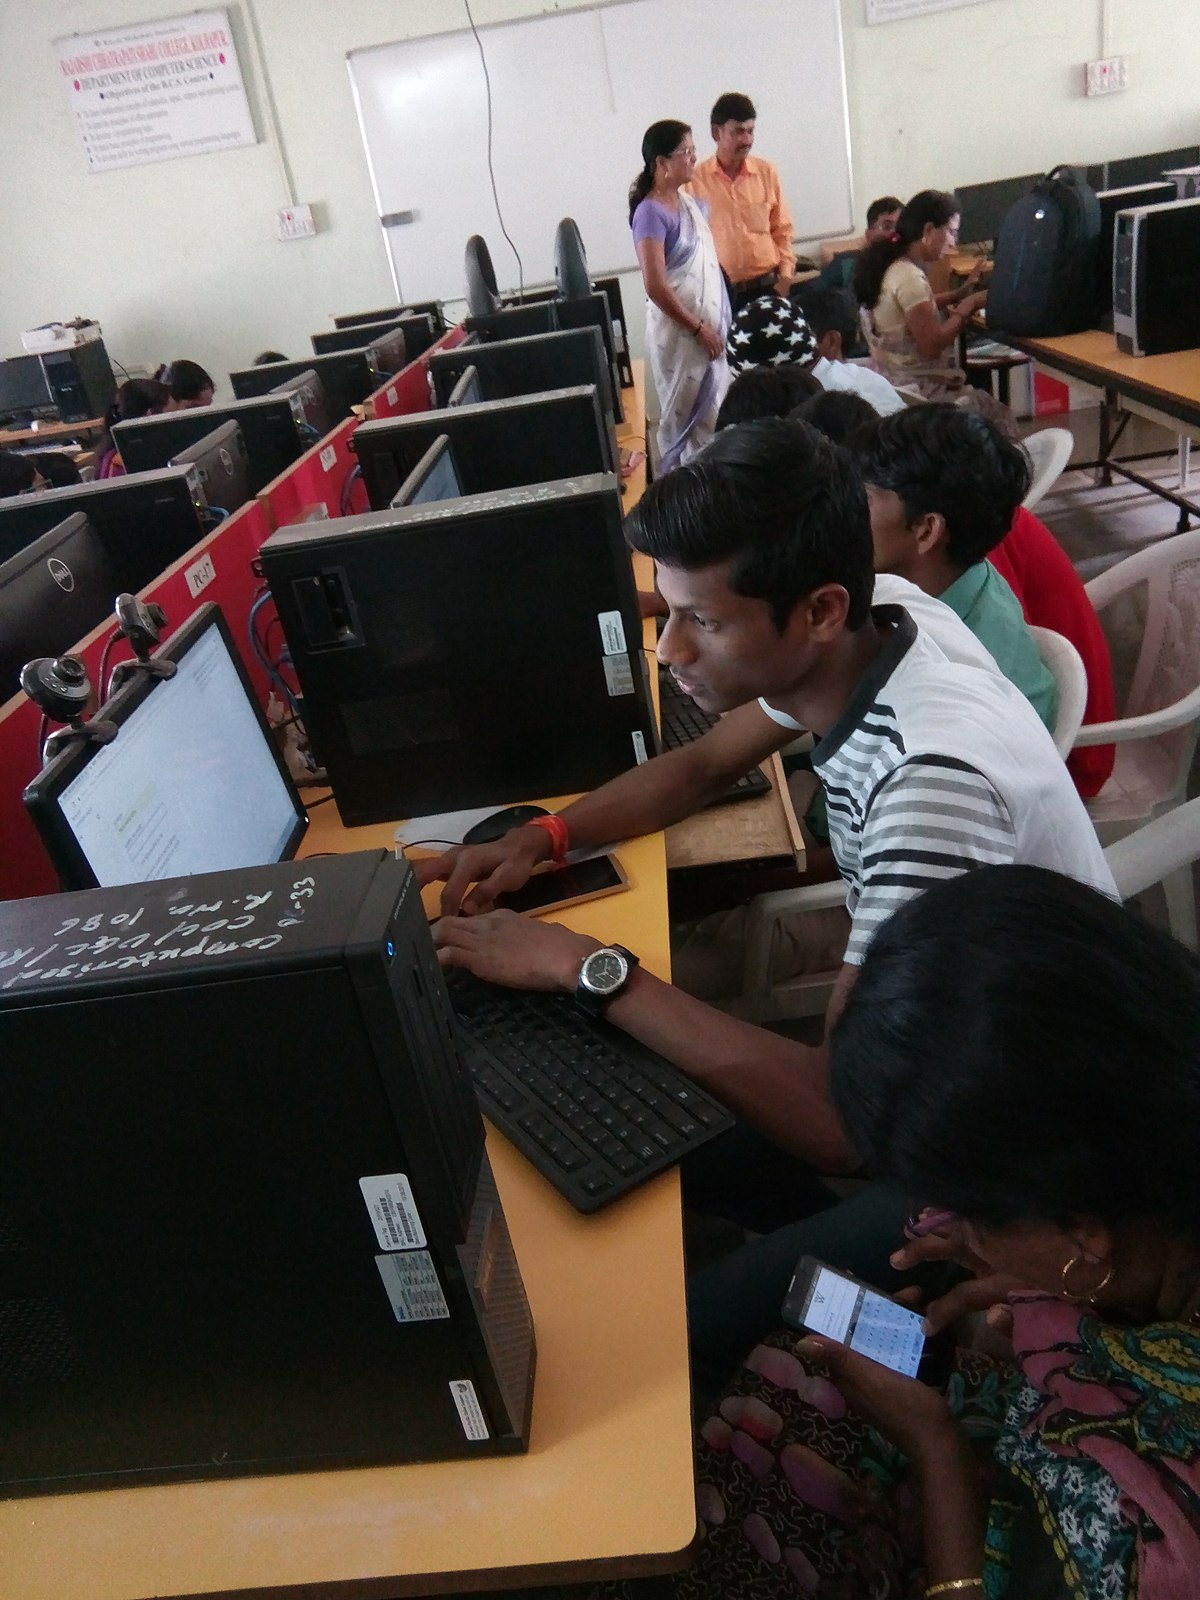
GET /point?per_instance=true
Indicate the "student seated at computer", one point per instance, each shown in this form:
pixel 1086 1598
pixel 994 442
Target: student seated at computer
pixel 137 397
pixel 943 486
pixel 187 384
pixel 18 475
pixel 832 314
pixel 838 256
pixel 932 767
pixel 773 332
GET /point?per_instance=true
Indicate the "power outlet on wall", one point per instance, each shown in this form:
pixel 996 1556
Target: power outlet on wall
pixel 295 222
pixel 1107 76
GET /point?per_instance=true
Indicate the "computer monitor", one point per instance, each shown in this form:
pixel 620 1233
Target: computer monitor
pixel 528 366
pixel 434 478
pixel 431 308
pixel 387 354
pixel 145 520
pixel 346 375
pixel 52 594
pixel 224 467
pixel 1149 169
pixel 467 391
pixel 985 206
pixel 308 391
pixel 419 333
pixel 498 444
pixel 193 781
pixel 23 386
pixel 470 653
pixel 548 315
pixel 271 426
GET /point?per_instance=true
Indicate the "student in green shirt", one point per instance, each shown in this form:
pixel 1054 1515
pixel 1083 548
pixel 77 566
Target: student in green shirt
pixel 943 485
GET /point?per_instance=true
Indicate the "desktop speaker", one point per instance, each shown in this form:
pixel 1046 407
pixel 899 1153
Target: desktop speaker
pixel 247 1224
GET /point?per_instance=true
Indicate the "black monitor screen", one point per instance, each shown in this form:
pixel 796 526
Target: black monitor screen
pixel 466 392
pixel 145 520
pixel 419 308
pixel 1149 169
pixel 435 477
pixel 52 594
pixel 419 333
pixel 346 375
pixel 310 405
pixel 388 353
pixel 23 385
pixel 985 206
pixel 220 459
pixel 192 783
pixel 270 426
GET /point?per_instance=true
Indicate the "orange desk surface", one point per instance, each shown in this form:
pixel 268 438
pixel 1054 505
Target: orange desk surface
pixel 1093 357
pixel 606 1487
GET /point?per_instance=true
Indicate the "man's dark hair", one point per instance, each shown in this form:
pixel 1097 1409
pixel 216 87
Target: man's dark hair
pixel 16 474
pixel 881 207
pixel 732 108
pixel 1020 1048
pixel 777 502
pixel 945 459
pixel 840 414
pixel 765 392
pixel 832 310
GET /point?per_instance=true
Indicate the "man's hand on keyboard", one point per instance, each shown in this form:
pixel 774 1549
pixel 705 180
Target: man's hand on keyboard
pixel 497 868
pixel 519 952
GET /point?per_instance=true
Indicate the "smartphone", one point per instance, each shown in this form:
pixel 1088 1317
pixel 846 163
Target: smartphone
pixel 833 1304
pixel 566 886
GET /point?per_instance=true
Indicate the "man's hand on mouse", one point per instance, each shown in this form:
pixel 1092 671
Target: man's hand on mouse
pixel 496 868
pixel 520 952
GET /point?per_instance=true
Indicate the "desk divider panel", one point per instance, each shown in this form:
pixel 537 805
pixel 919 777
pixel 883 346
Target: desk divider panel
pixel 316 479
pixel 229 551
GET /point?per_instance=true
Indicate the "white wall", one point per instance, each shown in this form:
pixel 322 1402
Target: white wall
pixel 180 258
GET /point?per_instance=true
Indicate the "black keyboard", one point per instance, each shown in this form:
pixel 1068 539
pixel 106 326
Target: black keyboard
pixel 593 1111
pixel 682 721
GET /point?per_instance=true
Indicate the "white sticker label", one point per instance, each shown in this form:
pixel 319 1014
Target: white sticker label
pixel 412 1287
pixel 328 457
pixel 199 575
pixel 393 1211
pixel 639 746
pixel 390 395
pixel 618 674
pixel 612 632
pixel 470 1412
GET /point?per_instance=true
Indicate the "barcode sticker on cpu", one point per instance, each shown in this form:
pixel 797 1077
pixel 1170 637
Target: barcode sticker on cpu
pixel 470 1412
pixel 412 1287
pixel 618 675
pixel 393 1211
pixel 639 746
pixel 612 632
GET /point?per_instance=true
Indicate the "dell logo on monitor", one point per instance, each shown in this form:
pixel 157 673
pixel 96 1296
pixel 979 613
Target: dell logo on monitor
pixel 61 573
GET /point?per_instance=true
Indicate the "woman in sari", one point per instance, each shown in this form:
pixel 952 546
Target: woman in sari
pixel 1024 1056
pixel 687 317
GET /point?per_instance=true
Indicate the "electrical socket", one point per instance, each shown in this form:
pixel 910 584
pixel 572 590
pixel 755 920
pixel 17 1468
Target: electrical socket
pixel 295 222
pixel 1107 76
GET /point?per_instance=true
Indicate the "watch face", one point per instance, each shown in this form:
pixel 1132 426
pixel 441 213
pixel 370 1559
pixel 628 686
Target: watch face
pixel 604 971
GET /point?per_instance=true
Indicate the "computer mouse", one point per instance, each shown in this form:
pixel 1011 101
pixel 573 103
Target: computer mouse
pixel 500 822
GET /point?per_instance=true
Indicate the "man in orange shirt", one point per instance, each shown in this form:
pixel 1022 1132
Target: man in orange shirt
pixel 747 213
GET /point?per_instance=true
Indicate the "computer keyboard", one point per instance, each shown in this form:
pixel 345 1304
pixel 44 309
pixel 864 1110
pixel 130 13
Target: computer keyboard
pixel 682 721
pixel 593 1111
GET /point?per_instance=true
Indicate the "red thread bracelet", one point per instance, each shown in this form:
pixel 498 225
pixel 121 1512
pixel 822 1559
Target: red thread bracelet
pixel 557 830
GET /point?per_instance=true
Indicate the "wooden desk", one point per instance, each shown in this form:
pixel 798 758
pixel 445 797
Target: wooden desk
pixel 605 1490
pixel 763 829
pixel 1164 389
pixel 51 430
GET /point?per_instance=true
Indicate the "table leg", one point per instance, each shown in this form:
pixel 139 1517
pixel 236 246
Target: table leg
pixel 1110 399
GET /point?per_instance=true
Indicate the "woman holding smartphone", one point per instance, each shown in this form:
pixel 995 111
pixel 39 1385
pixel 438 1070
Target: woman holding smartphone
pixel 1022 1055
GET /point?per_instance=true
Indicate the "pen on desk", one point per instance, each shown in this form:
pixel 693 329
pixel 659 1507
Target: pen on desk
pixel 928 1222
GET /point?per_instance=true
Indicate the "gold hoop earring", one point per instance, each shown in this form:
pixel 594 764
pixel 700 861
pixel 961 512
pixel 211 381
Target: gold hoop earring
pixel 1090 1296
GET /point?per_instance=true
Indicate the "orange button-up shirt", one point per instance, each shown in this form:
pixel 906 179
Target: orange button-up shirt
pixel 748 217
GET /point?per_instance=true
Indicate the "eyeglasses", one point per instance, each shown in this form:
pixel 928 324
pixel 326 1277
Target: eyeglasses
pixel 686 150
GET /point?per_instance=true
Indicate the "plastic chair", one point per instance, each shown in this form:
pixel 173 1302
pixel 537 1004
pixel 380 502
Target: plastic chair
pixel 807 993
pixel 1070 676
pixel 1163 849
pixel 1048 450
pixel 1156 734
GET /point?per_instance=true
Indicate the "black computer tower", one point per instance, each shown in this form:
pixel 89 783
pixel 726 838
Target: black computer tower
pixel 1155 252
pixel 80 380
pixel 467 652
pixel 246 1220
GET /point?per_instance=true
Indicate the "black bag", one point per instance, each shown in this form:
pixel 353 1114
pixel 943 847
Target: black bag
pixel 1044 281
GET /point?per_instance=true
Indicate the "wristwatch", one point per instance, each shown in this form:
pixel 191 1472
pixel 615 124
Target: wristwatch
pixel 602 977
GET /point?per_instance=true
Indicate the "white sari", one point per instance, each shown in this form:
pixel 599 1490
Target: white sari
pixel 689 385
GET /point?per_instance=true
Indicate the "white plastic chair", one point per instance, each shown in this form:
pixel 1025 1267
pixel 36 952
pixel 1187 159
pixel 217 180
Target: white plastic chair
pixel 1048 450
pixel 806 994
pixel 1070 676
pixel 1156 853
pixel 1157 731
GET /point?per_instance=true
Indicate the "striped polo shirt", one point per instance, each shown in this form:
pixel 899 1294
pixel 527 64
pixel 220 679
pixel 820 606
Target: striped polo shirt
pixel 936 767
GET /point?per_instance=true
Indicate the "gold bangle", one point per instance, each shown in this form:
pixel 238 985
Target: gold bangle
pixel 953 1586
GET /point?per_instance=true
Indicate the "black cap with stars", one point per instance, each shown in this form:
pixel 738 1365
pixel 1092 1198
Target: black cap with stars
pixel 769 332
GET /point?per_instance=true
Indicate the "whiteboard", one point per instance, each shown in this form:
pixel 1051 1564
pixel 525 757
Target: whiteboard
pixel 572 94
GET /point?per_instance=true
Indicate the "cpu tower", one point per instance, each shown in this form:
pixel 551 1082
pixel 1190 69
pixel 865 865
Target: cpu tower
pixel 1156 254
pixel 247 1224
